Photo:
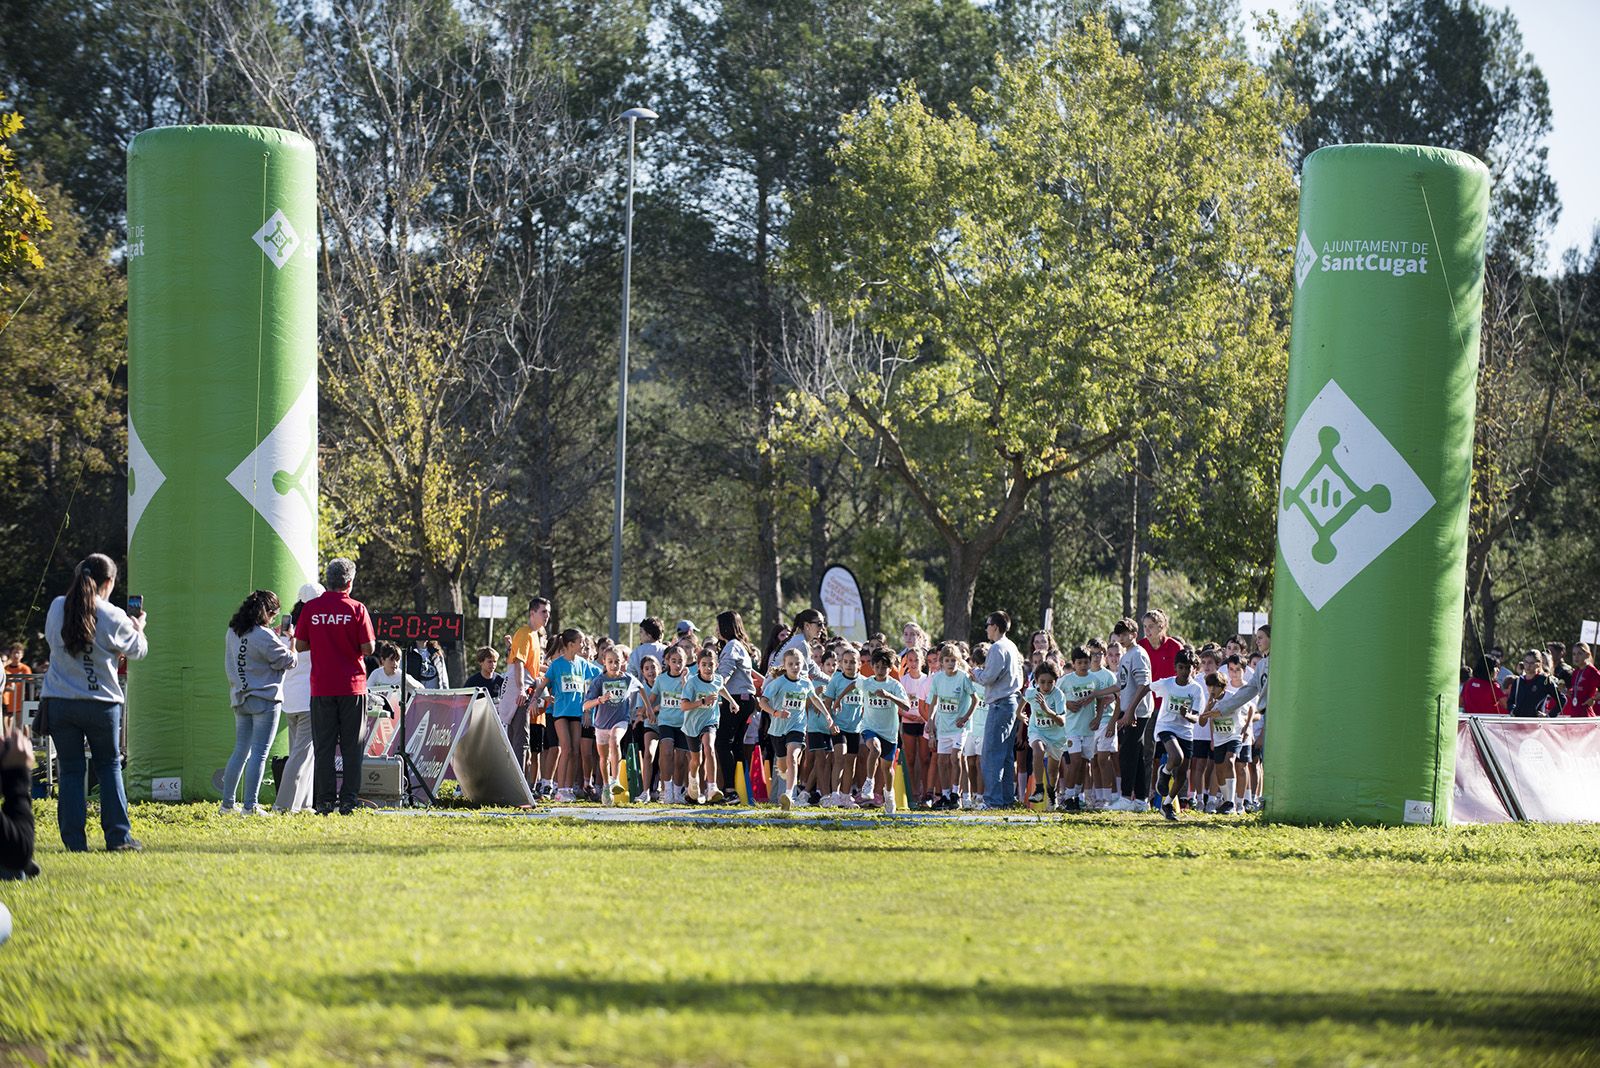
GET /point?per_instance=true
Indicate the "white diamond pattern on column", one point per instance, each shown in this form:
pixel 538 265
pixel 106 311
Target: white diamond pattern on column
pixel 279 479
pixel 144 478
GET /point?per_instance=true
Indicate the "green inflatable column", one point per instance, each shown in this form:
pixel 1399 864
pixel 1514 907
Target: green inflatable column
pixel 1374 490
pixel 222 422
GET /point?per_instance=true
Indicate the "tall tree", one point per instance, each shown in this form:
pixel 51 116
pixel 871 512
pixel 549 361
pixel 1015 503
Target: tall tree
pixel 1095 247
pixel 753 94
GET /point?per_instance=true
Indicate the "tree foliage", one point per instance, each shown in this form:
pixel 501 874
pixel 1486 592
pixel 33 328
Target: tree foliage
pixel 1090 252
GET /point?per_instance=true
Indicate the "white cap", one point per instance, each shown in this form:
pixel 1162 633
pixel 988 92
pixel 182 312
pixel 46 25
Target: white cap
pixel 311 591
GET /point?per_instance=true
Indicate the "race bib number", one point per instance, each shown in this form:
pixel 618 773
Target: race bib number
pixel 672 701
pixel 1080 692
pixel 615 692
pixel 1222 724
pixel 794 702
pixel 1182 705
pixel 572 684
pixel 947 706
pixel 878 704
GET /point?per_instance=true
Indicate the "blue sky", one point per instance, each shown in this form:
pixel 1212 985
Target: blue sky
pixel 1563 36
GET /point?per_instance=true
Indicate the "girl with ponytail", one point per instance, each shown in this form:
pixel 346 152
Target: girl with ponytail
pixel 87 635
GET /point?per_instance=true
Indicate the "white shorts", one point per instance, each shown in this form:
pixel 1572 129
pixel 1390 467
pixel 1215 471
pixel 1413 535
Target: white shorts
pixel 1102 744
pixel 614 735
pixel 950 743
pixel 1080 745
pixel 1053 746
pixel 971 742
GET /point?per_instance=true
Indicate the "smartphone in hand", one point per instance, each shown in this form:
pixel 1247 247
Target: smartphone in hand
pixel 135 604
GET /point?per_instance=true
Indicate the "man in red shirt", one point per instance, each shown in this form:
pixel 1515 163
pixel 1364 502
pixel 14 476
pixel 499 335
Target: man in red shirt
pixel 337 630
pixel 1479 695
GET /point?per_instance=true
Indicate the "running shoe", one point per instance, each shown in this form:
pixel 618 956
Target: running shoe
pixel 715 797
pixel 786 802
pixel 1167 811
pixel 888 803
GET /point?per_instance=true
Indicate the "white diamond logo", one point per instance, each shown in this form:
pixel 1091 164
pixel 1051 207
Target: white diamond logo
pixel 279 479
pixel 1345 496
pixel 144 478
pixel 277 239
pixel 1305 258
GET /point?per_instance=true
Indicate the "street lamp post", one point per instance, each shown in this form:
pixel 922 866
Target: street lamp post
pixel 633 115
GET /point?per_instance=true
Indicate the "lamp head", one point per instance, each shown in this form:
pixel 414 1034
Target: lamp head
pixel 639 113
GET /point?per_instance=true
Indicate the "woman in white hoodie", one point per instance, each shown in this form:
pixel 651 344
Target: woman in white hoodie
pixel 256 659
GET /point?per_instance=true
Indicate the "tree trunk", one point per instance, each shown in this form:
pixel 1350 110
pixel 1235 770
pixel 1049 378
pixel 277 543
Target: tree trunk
pixel 1143 490
pixel 960 583
pixel 769 591
pixel 454 600
pixel 1130 555
pixel 819 528
pixel 1047 541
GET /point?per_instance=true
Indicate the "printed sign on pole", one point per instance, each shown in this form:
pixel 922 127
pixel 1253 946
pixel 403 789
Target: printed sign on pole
pixel 1250 622
pixel 630 611
pixel 1591 631
pixel 841 602
pixel 491 608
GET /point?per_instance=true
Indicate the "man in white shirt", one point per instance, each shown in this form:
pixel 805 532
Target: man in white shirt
pixel 1000 675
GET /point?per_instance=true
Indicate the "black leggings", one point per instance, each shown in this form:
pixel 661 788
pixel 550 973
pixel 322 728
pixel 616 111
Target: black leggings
pixel 1136 749
pixel 730 739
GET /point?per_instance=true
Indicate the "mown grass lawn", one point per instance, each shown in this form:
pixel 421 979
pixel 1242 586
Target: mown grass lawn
pixel 1099 940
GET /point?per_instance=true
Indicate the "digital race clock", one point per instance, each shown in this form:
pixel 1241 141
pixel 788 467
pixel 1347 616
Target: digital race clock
pixel 441 627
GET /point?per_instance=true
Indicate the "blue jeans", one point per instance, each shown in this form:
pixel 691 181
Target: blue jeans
pixel 99 723
pixel 999 739
pixel 252 737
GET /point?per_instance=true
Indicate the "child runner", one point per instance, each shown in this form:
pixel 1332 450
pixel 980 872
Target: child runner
pixel 845 700
pixel 1181 701
pixel 1047 734
pixel 666 708
pixel 786 699
pixel 610 702
pixel 702 708
pixel 1082 706
pixel 646 736
pixel 886 701
pixel 567 678
pixel 1224 743
pixel 1245 721
pixel 1200 766
pixel 914 722
pixel 1103 660
pixel 953 698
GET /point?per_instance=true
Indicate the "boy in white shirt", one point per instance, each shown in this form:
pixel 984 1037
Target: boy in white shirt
pixel 1182 701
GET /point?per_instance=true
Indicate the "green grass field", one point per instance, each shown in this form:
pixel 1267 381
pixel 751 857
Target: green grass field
pixel 1100 940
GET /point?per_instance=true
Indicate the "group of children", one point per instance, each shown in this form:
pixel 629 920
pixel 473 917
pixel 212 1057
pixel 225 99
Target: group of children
pixel 830 722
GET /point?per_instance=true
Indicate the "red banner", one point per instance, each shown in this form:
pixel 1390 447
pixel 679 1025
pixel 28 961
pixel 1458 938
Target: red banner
pixel 1552 766
pixel 1476 799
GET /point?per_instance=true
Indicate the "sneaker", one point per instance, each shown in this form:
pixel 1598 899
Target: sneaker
pixel 980 805
pixel 1139 806
pixel 1167 811
pixel 256 811
pixel 619 794
pixel 801 800
pixel 1074 804
pixel 1060 804
pixel 132 845
pixel 563 796
pixel 965 803
pixel 1038 795
pixel 849 802
pixel 607 799
pixel 888 803
pixel 1224 809
pixel 816 797
pixel 785 802
pixel 715 796
pixel 831 801
pixel 227 810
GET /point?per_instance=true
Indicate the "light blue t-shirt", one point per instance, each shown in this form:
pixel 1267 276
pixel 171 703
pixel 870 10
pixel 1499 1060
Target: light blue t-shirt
pixel 848 714
pixel 791 697
pixel 1077 687
pixel 949 695
pixel 697 689
pixel 1055 703
pixel 669 702
pixel 882 716
pixel 568 680
pixel 1105 679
